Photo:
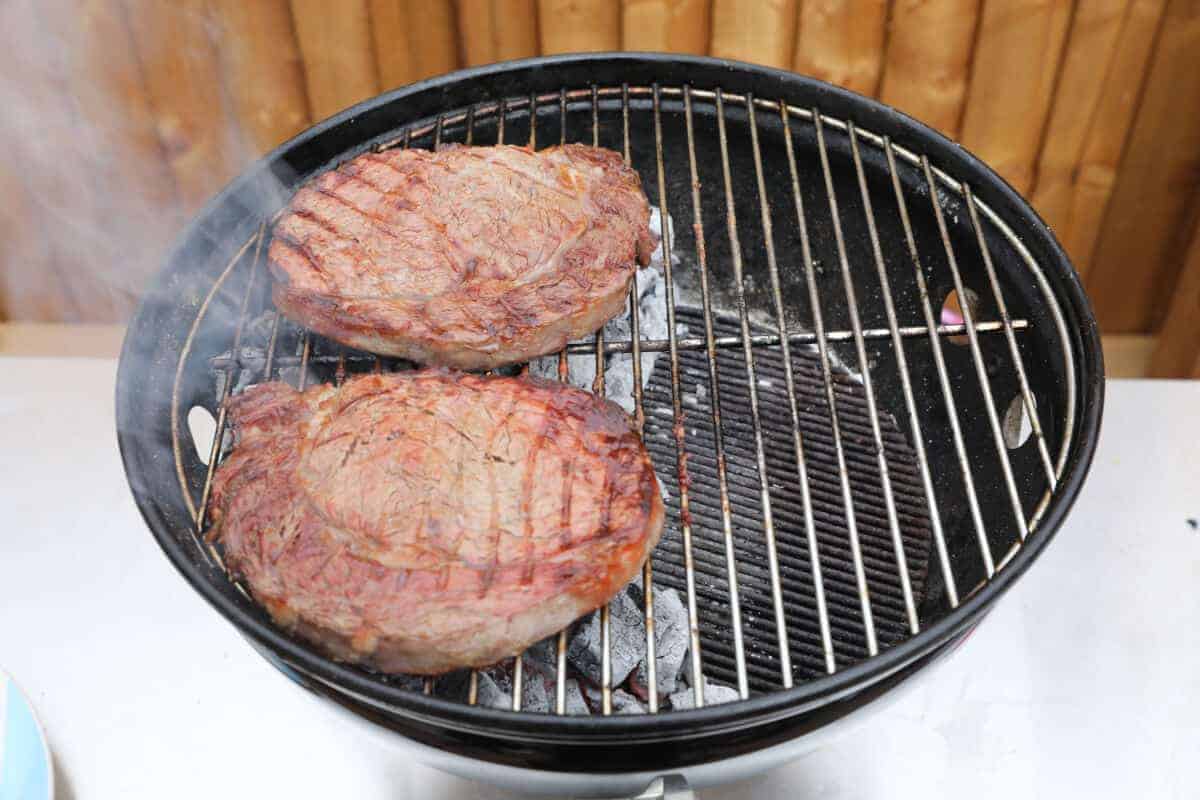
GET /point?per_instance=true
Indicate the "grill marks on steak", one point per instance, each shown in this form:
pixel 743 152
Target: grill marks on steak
pixel 420 522
pixel 471 257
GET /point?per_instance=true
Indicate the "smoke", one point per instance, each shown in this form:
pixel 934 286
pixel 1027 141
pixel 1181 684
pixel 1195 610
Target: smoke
pixel 115 129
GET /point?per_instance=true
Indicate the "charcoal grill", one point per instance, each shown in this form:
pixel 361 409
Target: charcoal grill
pixel 849 486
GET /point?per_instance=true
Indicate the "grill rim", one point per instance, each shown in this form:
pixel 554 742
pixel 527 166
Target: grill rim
pixel 949 157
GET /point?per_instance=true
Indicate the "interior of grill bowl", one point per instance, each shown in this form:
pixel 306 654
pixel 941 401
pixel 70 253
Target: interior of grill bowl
pixel 217 333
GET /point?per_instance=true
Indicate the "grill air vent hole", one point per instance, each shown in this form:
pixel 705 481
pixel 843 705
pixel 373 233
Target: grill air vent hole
pixel 952 313
pixel 203 428
pixel 1017 426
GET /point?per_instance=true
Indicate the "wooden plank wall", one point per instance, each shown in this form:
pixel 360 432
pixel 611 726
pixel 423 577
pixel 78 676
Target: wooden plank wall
pixel 126 115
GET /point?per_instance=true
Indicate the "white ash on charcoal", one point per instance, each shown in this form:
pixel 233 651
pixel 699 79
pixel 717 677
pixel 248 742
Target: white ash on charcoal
pixel 495 683
pixel 652 324
pixel 250 363
pixel 540 672
pixel 573 696
pixel 714 694
pixel 490 693
pixel 627 639
pixel 622 701
pixel 627 636
pixel 257 331
pixel 537 686
pixel 537 691
pixel 289 375
pixel 670 644
pixel 251 356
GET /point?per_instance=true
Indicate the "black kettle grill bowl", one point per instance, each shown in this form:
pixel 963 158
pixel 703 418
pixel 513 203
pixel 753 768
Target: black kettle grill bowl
pixel 1040 348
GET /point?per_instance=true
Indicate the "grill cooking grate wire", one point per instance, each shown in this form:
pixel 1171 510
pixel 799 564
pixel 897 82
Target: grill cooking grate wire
pixel 802 517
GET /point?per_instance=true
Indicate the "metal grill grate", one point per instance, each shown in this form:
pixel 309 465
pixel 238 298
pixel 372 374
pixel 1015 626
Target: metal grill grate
pixel 849 475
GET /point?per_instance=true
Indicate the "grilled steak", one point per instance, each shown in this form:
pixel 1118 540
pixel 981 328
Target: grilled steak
pixel 470 257
pixel 424 521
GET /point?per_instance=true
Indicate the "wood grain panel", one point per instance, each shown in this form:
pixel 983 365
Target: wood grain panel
pixel 35 129
pixel 90 204
pixel 669 26
pixel 1177 354
pixel 1109 129
pixel 434 37
pixel 135 212
pixel 841 41
pixel 927 64
pixel 1085 69
pixel 496 30
pixel 1145 228
pixel 759 32
pixel 262 69
pixel 576 26
pixel 339 58
pixel 197 127
pixel 413 40
pixel 1017 54
pixel 30 286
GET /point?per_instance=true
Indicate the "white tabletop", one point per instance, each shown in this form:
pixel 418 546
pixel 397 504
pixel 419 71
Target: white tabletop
pixel 1084 682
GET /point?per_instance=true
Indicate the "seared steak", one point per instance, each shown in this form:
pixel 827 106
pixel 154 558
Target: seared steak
pixel 470 257
pixel 424 521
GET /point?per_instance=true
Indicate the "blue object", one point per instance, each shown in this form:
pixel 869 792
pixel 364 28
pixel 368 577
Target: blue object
pixel 24 758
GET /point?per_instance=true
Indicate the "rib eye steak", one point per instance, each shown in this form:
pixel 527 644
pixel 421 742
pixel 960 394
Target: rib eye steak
pixel 468 257
pixel 423 521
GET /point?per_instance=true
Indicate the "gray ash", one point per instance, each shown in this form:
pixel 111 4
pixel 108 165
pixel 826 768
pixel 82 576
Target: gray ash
pixel 627 640
pixel 714 694
pixel 627 632
pixel 670 645
pixel 575 703
pixel 652 325
pixel 622 701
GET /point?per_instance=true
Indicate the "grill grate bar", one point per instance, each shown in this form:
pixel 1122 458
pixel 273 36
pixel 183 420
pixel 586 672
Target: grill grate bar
pixel 985 385
pixel 810 530
pixel 560 672
pixel 518 676
pixel 885 481
pixel 940 365
pixel 785 660
pixel 639 419
pixel 271 345
pixel 823 354
pixel 230 374
pixel 305 353
pixel 801 337
pixel 560 667
pixel 500 115
pixel 598 388
pixel 562 116
pixel 532 145
pixel 677 416
pixel 1018 362
pixel 518 667
pixel 735 612
pixel 686 343
pixel 918 439
pixel 473 681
